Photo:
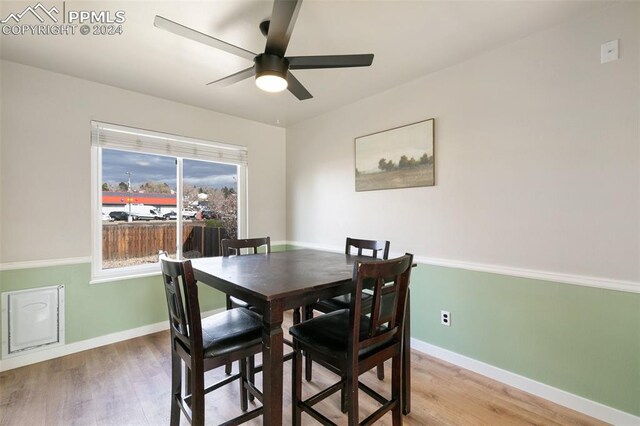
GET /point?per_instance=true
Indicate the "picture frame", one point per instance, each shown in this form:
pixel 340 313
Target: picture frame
pixel 402 157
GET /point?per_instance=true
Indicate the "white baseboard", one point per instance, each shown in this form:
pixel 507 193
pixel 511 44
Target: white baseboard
pixel 558 396
pixel 71 348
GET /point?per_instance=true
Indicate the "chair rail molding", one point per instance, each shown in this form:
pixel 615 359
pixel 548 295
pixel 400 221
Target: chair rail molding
pixel 44 263
pixel 557 277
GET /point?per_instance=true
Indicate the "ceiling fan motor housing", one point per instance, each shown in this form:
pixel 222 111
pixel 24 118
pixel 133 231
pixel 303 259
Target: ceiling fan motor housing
pixel 267 64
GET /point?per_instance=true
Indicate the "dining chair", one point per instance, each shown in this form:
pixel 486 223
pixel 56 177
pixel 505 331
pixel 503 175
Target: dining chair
pixel 235 247
pixel 360 247
pixel 204 344
pixel 232 247
pixel 350 342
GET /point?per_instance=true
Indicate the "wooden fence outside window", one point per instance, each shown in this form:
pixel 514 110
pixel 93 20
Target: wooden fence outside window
pixel 140 239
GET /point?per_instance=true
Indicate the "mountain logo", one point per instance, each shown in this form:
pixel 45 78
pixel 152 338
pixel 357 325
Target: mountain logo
pixel 38 11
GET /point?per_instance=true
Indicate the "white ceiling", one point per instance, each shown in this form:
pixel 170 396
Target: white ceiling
pixel 409 39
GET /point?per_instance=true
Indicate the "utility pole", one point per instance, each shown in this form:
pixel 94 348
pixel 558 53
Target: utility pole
pixel 129 219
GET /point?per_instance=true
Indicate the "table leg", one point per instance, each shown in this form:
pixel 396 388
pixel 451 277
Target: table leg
pixel 272 341
pixel 406 360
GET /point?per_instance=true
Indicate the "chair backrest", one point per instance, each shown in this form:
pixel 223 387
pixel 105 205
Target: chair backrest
pixel 372 245
pixel 231 247
pixel 182 302
pixel 391 284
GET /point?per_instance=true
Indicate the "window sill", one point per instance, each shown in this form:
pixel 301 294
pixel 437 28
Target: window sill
pixel 121 274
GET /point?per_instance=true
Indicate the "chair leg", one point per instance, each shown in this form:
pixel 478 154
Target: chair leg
pixel 197 396
pixel 176 388
pixel 228 366
pixel 308 314
pixel 381 371
pixel 243 388
pixel 344 403
pixel 396 384
pixel 351 391
pixel 308 368
pixel 296 388
pixel 252 374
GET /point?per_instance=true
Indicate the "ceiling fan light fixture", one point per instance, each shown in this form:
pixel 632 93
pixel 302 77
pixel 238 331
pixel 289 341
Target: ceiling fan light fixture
pixel 271 72
pixel 271 83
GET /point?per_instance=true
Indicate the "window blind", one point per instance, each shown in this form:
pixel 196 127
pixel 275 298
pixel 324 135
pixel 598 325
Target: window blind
pixel 114 136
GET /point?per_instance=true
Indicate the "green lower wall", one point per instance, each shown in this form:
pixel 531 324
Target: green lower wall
pixel 583 340
pixel 94 310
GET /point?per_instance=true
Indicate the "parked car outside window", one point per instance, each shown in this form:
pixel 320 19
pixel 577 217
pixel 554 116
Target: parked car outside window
pixel 122 216
pixel 170 216
pixel 209 214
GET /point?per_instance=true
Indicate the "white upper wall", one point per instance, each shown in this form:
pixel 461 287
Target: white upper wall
pixel 537 158
pixel 45 160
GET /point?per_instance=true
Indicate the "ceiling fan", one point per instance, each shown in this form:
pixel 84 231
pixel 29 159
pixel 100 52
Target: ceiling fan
pixel 271 68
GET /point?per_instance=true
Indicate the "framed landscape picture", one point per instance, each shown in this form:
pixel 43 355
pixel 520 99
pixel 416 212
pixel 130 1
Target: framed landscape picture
pixel 396 158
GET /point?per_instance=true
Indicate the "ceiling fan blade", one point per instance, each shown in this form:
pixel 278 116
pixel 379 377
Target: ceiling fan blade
pixel 329 61
pixel 181 30
pixel 234 78
pixel 283 18
pixel 297 88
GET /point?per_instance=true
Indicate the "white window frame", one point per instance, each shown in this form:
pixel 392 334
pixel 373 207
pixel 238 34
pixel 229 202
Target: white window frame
pixel 113 136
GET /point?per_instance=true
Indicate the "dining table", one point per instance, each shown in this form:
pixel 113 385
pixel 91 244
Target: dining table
pixel 279 281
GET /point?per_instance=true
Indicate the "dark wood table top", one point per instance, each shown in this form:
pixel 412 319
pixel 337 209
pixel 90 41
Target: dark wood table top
pixel 294 277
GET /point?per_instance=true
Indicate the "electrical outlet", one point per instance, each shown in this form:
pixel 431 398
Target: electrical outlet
pixel 445 318
pixel 609 51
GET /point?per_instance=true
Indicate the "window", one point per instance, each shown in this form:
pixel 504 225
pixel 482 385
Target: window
pixel 153 191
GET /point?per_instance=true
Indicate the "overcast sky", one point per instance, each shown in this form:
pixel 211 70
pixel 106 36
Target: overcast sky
pixel 158 169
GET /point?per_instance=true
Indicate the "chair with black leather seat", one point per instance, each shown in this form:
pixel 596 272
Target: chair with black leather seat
pixel 350 342
pixel 231 247
pixel 363 248
pixel 204 344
